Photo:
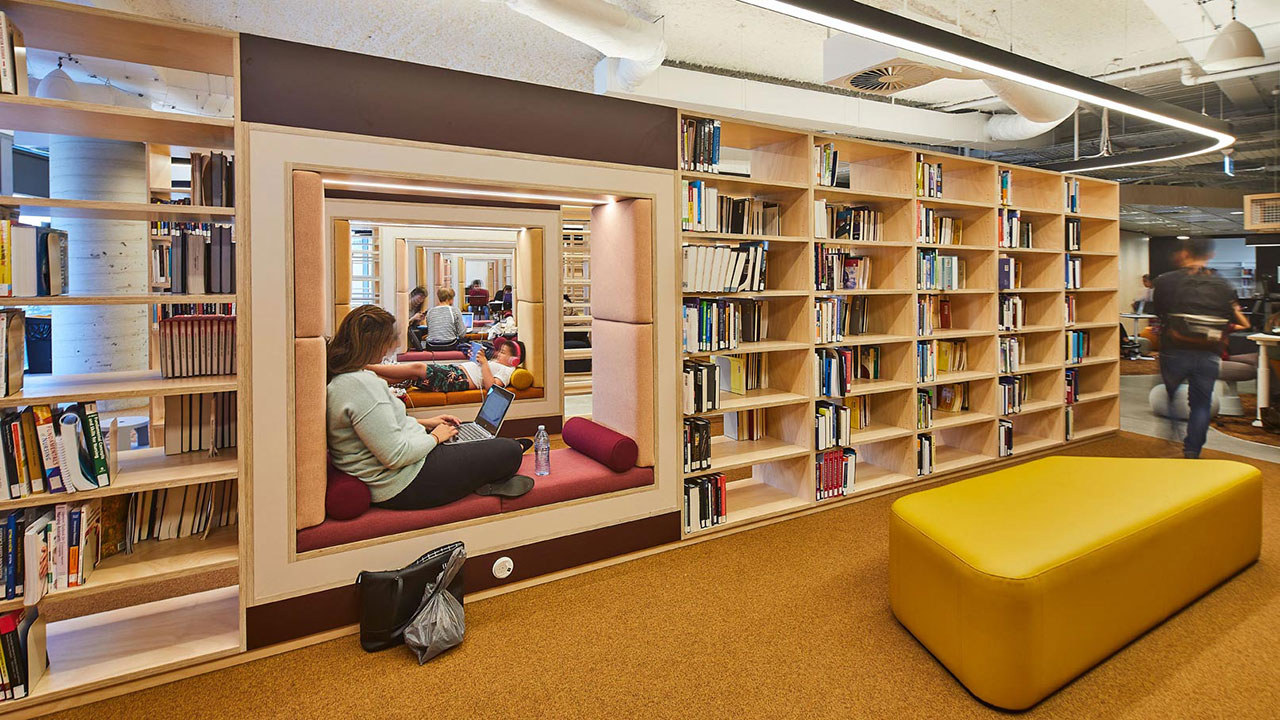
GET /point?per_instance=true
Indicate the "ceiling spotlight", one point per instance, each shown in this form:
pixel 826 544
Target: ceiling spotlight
pixel 1235 47
pixel 1184 237
pixel 1237 212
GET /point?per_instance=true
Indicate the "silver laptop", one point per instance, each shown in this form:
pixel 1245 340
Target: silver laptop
pixel 489 420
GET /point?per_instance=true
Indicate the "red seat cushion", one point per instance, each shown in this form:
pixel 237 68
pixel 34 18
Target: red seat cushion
pixel 379 522
pixel 604 445
pixel 345 497
pixel 431 356
pixel 573 475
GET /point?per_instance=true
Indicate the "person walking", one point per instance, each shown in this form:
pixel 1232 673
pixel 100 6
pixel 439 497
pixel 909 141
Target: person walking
pixel 1197 311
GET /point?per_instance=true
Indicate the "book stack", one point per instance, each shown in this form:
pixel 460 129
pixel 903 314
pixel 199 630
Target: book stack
pixel 1008 273
pixel 934 229
pixel 1013 392
pixel 197 422
pixel 928 178
pixel 837 370
pixel 197 345
pixel 926 454
pixel 953 356
pixel 951 397
pixel 829 170
pixel 178 512
pixel 1012 354
pixel 926 361
pixel 710 325
pixel 49 548
pixel 838 318
pixel 700 390
pixel 924 408
pixel 1073 234
pixel 1074 272
pixel 1072 188
pixel 1069 308
pixel 836 268
pixel 1006 187
pixel 723 268
pixel 745 424
pixel 842 222
pixel 697 444
pixel 700 145
pixel 742 373
pixel 1013 233
pixel 1073 385
pixel 16 645
pixel 51 450
pixel 834 423
pixel 1077 346
pixel 213 179
pixel 939 272
pixel 932 313
pixel 13 58
pixel 1004 437
pixel 707 210
pixel 705 502
pixel 1013 313
pixel 196 259
pixel 33 260
pixel 13 350
pixel 835 472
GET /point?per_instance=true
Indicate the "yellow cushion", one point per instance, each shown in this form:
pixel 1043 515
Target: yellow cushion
pixel 1022 579
pixel 521 379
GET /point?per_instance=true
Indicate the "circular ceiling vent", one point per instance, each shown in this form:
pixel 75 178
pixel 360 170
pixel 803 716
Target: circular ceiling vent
pixel 887 79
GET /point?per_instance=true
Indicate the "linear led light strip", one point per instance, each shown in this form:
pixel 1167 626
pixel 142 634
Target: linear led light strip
pixel 394 224
pixel 799 11
pixel 427 190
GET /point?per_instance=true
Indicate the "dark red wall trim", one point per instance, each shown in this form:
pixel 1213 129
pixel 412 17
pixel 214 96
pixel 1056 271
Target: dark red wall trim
pixel 286 83
pixel 431 200
pixel 296 617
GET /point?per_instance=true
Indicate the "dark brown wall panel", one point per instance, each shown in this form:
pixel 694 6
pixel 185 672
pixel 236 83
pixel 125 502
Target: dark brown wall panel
pixel 305 86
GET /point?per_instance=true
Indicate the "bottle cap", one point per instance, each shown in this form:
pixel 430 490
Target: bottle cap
pixel 542 428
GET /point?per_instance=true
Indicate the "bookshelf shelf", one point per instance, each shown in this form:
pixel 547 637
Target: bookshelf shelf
pixel 111 122
pixel 737 184
pixel 860 197
pixel 48 389
pixel 951 458
pixel 876 339
pixel 953 203
pixel 945 378
pixel 867 387
pixel 747 348
pixel 1024 443
pixel 1088 397
pixel 762 294
pixel 868 291
pixel 1092 361
pixel 870 478
pixel 139 299
pixel 1029 290
pixel 753 499
pixel 950 333
pixel 155 560
pixel 1092 290
pixel 1091 325
pixel 754 399
pixel 1035 406
pixel 1030 329
pixel 1090 432
pixel 877 432
pixel 103 210
pixel 694 236
pixel 728 454
pixel 1030 250
pixel 578 354
pixel 1025 368
pixel 957 419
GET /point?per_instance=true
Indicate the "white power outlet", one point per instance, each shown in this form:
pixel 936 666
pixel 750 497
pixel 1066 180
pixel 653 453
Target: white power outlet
pixel 502 567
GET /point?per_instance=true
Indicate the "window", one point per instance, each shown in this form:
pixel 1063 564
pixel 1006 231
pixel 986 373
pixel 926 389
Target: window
pixel 366 285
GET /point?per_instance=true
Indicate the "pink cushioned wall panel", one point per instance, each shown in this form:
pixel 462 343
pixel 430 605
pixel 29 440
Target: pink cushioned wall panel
pixel 622 261
pixel 622 385
pixel 309 302
pixel 311 446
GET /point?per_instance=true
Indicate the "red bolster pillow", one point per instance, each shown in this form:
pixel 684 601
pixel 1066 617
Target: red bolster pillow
pixel 607 447
pixel 346 497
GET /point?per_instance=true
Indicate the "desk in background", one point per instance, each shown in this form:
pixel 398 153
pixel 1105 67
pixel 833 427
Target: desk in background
pixel 1264 341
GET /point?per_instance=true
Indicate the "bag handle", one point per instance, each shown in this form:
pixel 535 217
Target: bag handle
pixel 450 570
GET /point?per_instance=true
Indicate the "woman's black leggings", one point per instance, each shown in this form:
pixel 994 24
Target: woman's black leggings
pixel 454 471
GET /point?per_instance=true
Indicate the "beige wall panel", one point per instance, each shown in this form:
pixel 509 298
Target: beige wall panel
pixel 530 266
pixel 310 443
pixel 402 265
pixel 309 302
pixel 532 327
pixel 341 262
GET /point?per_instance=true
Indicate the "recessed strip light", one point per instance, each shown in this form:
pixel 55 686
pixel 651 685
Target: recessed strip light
pixel 432 190
pixel 873 24
pixel 393 224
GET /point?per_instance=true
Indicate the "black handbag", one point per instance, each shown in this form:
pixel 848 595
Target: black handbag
pixel 389 598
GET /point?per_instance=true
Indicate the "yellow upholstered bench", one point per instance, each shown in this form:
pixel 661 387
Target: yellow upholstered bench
pixel 1022 579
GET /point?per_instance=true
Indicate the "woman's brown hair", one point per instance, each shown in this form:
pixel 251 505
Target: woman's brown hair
pixel 362 338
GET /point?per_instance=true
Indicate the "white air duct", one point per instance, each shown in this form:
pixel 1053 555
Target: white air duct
pixel 1038 111
pixel 637 44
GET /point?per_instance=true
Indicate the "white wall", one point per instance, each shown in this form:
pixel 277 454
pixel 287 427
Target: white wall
pixel 1134 262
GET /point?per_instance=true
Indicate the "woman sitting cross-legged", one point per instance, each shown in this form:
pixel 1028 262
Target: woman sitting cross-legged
pixel 405 461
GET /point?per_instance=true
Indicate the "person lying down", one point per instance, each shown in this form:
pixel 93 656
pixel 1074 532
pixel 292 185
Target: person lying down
pixel 474 374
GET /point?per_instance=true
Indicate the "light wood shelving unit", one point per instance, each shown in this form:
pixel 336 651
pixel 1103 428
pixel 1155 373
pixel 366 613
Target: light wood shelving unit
pixel 882 176
pixel 101 650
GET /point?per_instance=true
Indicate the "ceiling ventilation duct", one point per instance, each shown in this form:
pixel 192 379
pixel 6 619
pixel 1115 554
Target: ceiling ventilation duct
pixel 638 44
pixel 1038 111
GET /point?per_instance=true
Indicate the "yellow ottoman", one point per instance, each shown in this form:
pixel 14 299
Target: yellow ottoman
pixel 1022 579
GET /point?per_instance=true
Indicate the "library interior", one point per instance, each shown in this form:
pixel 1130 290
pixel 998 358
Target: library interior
pixel 640 358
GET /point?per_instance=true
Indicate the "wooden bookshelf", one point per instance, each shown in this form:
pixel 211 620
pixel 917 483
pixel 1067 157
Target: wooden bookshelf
pixel 47 389
pixel 111 122
pixel 104 210
pixel 882 177
pixel 137 299
pixel 156 560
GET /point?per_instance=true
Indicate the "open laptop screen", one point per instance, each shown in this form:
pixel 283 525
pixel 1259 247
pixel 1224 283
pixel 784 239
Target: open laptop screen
pixel 494 409
pixel 468 319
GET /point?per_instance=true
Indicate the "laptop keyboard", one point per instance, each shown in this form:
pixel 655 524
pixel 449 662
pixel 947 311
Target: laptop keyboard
pixel 471 432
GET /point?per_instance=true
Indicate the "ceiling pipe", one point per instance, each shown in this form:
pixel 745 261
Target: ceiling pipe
pixel 1038 111
pixel 1190 79
pixel 637 44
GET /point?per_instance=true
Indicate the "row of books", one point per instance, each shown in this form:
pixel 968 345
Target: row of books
pixel 706 501
pixel 932 313
pixel 51 449
pixel 213 179
pixel 33 260
pixel 1012 354
pixel 950 397
pixel 840 317
pixel 953 355
pixel 1013 233
pixel 844 222
pixel 197 259
pixel 49 548
pixel 1074 272
pixel 1004 437
pixel 197 345
pixel 697 444
pixel 834 472
pixel 1073 234
pixel 1072 381
pixel 928 178
pixel 199 421
pixel 834 423
pixel 1012 392
pixel 1071 187
pixel 926 361
pixel 1077 346
pixel 724 268
pixel 828 169
pixel 926 455
pixel 740 374
pixel 179 512
pixel 707 210
pixel 721 324
pixel 700 145
pixel 701 387
pixel 939 272
pixel 836 268
pixel 1069 310
pixel 1008 273
pixel 924 409
pixel 13 349
pixel 1005 185
pixel 1012 312
pixel 936 229
pixel 745 424
pixel 837 370
pixel 16 646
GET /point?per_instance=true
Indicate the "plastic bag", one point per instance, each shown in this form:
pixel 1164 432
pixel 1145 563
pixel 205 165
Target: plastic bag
pixel 439 623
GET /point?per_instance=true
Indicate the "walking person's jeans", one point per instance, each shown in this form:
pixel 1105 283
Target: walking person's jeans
pixel 1199 368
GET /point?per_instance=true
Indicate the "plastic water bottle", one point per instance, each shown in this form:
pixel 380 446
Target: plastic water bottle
pixel 541 452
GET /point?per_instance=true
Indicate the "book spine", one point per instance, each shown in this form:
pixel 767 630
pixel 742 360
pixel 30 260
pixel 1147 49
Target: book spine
pixel 11 553
pixel 75 517
pixel 49 449
pixel 97 448
pixel 14 657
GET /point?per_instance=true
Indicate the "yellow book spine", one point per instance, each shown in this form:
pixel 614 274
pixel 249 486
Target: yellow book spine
pixel 6 272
